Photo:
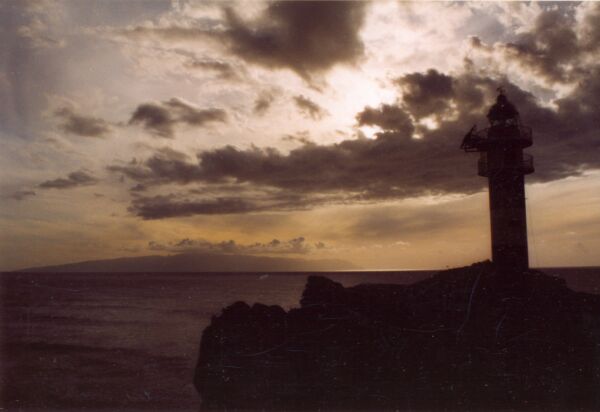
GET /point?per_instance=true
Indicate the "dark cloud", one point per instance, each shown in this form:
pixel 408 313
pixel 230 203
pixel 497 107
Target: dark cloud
pixel 22 194
pixel 426 94
pixel 164 166
pixel 232 200
pixel 160 207
pixel 309 108
pixel 263 103
pixel 296 245
pixel 389 166
pixel 81 125
pixel 564 139
pixel 308 37
pixel 388 117
pixel 154 118
pixel 548 47
pixel 160 119
pixel 188 114
pixel 74 179
pixel 304 36
pixel 557 48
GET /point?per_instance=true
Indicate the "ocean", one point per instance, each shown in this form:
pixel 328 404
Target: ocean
pixel 130 341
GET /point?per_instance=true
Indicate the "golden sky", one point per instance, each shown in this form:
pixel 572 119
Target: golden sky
pixel 299 129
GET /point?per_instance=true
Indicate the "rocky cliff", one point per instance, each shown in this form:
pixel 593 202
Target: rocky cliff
pixel 478 337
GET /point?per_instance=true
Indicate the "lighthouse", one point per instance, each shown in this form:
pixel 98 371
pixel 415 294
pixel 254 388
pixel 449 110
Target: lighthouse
pixel 505 165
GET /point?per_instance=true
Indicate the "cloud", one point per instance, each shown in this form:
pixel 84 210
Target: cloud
pixel 74 179
pixel 389 166
pixel 219 200
pixel 22 194
pixel 589 30
pixel 37 27
pixel 263 103
pixel 425 94
pixel 387 117
pixel 160 207
pixel 307 37
pixel 80 125
pixel 203 29
pixel 138 188
pixel 309 108
pixel 224 70
pixel 160 119
pixel 393 165
pixel 164 166
pixel 154 118
pixel 36 33
pixel 556 48
pixel 296 245
pixel 186 113
pixel 31 64
pixel 304 36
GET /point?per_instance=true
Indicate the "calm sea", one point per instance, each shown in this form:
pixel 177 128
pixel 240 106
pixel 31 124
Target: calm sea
pixel 130 341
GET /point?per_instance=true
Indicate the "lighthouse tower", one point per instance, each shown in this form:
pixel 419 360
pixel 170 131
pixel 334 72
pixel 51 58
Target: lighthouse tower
pixel 503 162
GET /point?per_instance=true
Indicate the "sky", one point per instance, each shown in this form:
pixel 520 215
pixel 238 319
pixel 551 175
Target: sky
pixel 298 129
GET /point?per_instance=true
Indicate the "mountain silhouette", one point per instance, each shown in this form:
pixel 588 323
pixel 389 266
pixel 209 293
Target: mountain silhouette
pixel 197 262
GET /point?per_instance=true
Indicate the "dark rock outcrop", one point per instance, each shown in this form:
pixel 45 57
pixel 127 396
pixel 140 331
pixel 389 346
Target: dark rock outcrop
pixel 471 338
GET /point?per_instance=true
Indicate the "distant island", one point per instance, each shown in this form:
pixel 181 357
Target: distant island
pixel 198 262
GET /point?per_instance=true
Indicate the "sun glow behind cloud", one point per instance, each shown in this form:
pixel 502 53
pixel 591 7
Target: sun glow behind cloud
pixel 370 132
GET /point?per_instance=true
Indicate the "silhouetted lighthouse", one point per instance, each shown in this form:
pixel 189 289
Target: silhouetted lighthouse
pixel 503 162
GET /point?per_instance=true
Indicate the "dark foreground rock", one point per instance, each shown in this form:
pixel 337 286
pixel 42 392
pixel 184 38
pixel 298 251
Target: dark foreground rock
pixel 469 338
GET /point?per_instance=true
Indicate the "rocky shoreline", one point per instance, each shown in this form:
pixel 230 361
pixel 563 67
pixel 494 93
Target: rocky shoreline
pixel 478 337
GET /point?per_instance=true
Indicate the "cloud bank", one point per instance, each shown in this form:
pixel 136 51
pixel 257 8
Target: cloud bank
pixel 406 159
pixel 297 245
